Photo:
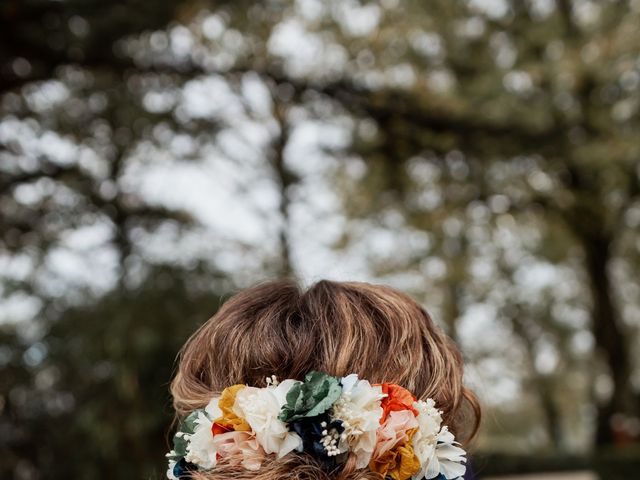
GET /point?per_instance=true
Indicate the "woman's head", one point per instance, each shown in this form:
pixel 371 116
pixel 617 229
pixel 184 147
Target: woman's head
pixel 337 327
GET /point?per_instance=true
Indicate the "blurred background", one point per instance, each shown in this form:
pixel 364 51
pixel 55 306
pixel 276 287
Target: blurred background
pixel 156 156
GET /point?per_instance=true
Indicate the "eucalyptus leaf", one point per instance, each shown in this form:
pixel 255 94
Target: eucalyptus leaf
pixel 310 398
pixel 187 426
pixel 179 446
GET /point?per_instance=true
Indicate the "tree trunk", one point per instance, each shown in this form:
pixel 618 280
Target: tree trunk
pixel 543 385
pixel 452 310
pixel 609 336
pixel 284 180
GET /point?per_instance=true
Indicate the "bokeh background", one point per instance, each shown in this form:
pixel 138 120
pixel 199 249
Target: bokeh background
pixel 156 156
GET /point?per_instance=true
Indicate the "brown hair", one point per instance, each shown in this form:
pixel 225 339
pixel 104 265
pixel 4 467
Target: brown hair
pixel 337 327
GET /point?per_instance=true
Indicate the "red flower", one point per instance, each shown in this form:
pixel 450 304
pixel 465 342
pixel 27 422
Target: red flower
pixel 217 429
pixel 397 398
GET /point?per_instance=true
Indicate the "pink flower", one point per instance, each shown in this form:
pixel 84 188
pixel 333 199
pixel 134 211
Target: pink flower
pixel 395 430
pixel 240 448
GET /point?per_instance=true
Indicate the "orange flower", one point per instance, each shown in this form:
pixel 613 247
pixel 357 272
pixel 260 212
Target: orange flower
pixel 400 462
pixel 218 429
pixel 397 399
pixel 229 420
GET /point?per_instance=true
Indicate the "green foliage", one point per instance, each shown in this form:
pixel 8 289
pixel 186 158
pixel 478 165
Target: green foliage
pixel 618 463
pixel 310 398
pixel 501 464
pixel 186 426
pixel 99 398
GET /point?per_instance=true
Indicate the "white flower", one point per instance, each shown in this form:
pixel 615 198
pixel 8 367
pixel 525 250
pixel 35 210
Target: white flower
pixel 359 410
pixel 201 450
pixel 280 390
pixel 425 438
pixel 260 408
pixel 212 409
pixel 436 447
pixel 172 464
pixel 449 456
pixel 429 417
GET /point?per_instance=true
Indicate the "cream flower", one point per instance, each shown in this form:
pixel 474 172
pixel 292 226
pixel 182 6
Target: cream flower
pixel 260 408
pixel 212 409
pixel 435 446
pixel 425 439
pixel 359 410
pixel 281 389
pixel 201 449
pixel 448 459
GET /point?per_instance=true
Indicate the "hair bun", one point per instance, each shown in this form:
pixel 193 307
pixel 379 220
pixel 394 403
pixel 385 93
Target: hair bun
pixel 333 327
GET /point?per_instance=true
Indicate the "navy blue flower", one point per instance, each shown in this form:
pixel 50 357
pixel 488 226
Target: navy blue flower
pixel 182 468
pixel 320 437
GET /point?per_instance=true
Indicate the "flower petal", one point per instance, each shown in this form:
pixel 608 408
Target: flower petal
pixel 229 417
pixel 397 398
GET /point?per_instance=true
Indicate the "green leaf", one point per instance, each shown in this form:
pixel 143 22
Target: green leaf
pixel 179 442
pixel 179 447
pixel 189 423
pixel 314 396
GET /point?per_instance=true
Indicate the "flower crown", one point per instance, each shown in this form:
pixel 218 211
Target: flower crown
pixel 382 425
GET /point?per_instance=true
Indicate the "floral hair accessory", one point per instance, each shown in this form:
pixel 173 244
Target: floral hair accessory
pixel 382 425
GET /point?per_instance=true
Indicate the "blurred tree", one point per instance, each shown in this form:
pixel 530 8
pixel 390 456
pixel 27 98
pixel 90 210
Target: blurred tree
pixel 84 385
pixel 542 104
pixel 94 390
pixel 39 36
pixel 488 137
pixel 87 381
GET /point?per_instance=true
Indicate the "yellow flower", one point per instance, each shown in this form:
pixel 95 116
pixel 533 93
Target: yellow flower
pixel 229 419
pixel 399 463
